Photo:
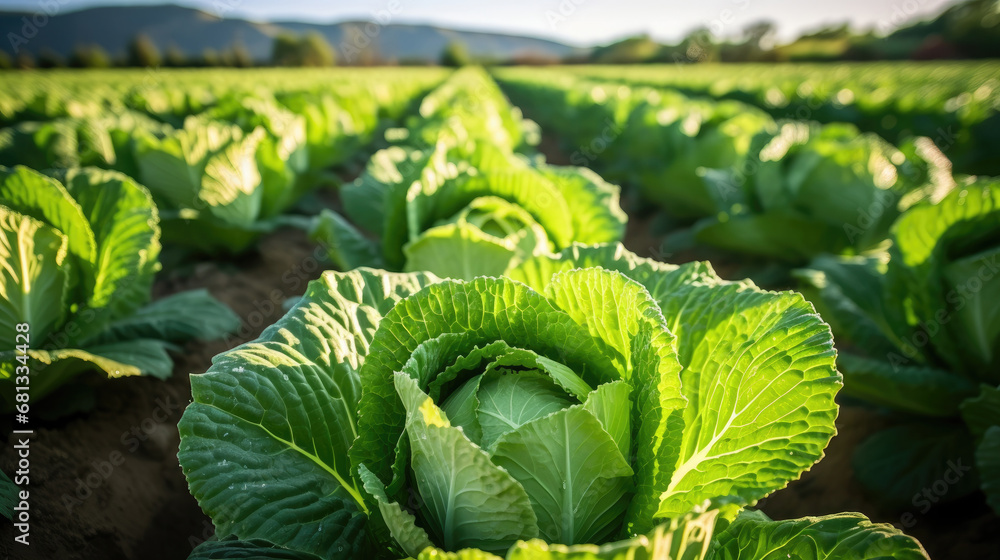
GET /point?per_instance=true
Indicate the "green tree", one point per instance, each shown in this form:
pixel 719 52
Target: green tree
pixel 89 56
pixel 455 55
pixel 142 52
pixel 6 63
pixel 240 56
pixel 640 48
pixel 756 44
pixel 760 34
pixel 175 57
pixel 210 57
pixel 700 46
pixel 49 58
pixel 316 51
pixel 24 60
pixel 285 50
pixel 309 50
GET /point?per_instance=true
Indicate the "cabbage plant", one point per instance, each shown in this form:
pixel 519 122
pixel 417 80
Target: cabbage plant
pixel 8 496
pixel 282 154
pixel 63 143
pixel 657 140
pixel 454 197
pixel 668 139
pixel 925 334
pixel 466 215
pixel 206 181
pixel 592 404
pixel 79 249
pixel 806 189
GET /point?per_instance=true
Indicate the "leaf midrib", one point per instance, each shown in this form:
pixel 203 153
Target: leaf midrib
pixel 569 525
pixel 350 488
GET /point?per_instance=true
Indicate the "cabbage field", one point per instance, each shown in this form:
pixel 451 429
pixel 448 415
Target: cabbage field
pixel 705 312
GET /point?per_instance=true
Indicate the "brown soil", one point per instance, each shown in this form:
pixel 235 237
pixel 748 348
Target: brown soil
pixel 106 484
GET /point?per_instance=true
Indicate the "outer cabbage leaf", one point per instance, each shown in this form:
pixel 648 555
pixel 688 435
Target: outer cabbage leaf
pixel 120 213
pixel 245 550
pixel 988 463
pixel 772 235
pixel 207 166
pixel 34 277
pixel 944 260
pixel 32 194
pixel 851 296
pixel 899 463
pixel 8 496
pixel 919 390
pixel 593 203
pixel 293 395
pixel 53 368
pixel 345 245
pixel 847 536
pixel 193 314
pixel 982 411
pixel 282 156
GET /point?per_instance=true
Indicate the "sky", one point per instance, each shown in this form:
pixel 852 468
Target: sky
pixel 577 22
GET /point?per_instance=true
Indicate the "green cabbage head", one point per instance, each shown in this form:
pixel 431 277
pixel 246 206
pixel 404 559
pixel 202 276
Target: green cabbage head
pixel 803 190
pixel 78 252
pixel 925 335
pixel 589 405
pixel 455 197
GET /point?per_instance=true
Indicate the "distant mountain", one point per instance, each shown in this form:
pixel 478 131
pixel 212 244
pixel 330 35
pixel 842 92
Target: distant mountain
pixel 193 31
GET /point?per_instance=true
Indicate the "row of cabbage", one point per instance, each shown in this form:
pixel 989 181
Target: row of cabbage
pixel 171 95
pixel 956 104
pixel 901 255
pixel 575 402
pixel 223 154
pixel 784 190
pixel 99 182
pixel 462 193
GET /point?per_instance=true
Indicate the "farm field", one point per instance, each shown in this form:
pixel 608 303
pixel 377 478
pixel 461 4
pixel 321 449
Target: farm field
pixel 575 312
pixel 954 103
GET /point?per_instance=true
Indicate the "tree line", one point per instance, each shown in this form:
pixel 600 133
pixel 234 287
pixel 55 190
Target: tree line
pixel 310 49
